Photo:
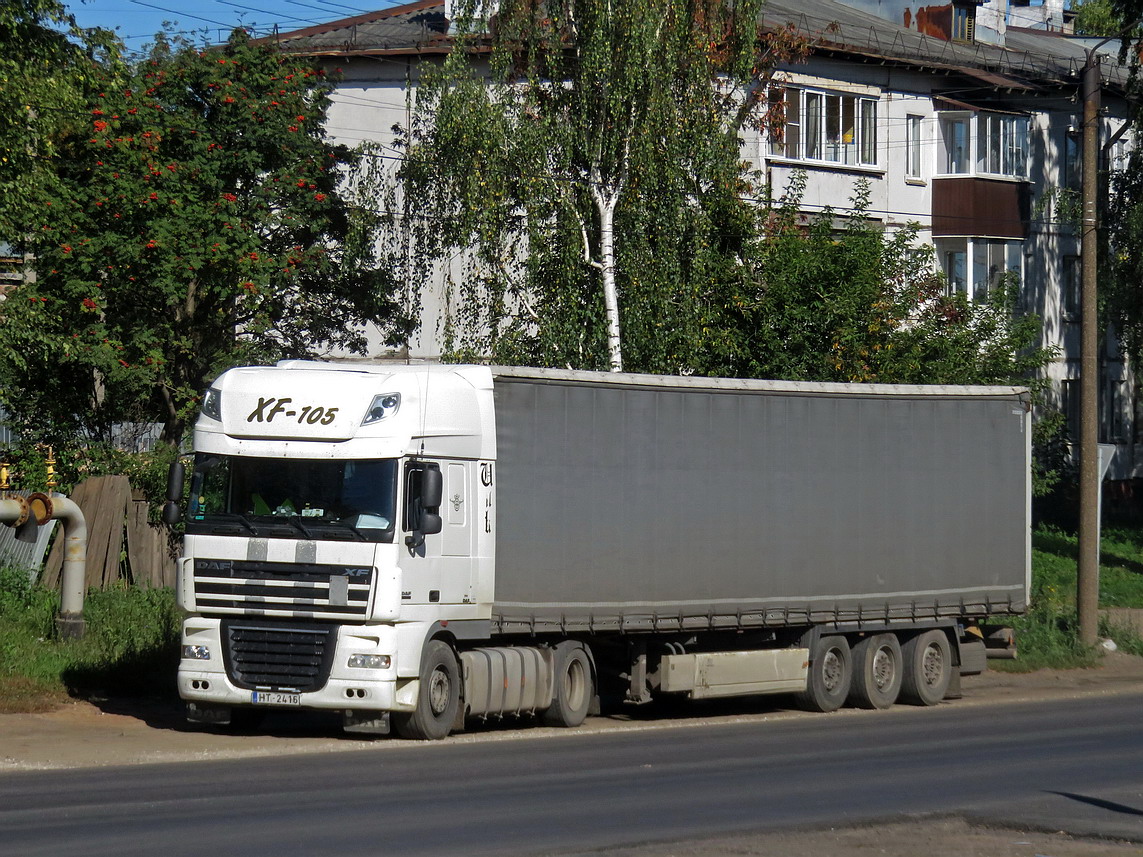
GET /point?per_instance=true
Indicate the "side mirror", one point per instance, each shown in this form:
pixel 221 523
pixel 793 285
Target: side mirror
pixel 175 476
pixel 432 490
pixel 431 523
pixel 428 492
pixel 171 513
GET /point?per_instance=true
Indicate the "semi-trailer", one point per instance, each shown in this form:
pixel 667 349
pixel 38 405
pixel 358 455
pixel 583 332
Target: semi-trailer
pixel 414 545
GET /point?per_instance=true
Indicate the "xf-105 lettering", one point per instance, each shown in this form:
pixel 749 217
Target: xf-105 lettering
pixel 269 408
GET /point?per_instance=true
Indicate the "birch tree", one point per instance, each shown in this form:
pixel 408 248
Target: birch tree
pixel 584 159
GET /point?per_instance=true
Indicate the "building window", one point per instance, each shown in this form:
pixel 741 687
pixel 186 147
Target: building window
pixel 990 258
pixel 1112 422
pixel 1071 407
pixel 1071 284
pixel 1073 163
pixel 824 126
pixel 1002 144
pixel 954 143
pixel 954 258
pixel 1120 154
pixel 913 146
pixel 995 143
pixel 963 23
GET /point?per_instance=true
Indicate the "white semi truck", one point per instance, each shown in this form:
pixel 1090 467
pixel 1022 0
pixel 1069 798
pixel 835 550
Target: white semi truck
pixel 417 545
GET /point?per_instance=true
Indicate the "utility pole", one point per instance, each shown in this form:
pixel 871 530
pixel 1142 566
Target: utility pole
pixel 1087 578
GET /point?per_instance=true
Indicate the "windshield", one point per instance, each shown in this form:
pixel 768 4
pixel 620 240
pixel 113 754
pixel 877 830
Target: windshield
pixel 293 498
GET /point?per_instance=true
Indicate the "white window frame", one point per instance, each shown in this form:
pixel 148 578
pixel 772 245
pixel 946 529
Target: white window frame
pixel 984 143
pixel 914 145
pixel 827 127
pixel 974 266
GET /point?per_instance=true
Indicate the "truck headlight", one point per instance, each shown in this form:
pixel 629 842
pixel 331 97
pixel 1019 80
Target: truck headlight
pixel 370 662
pixel 212 403
pixel 382 407
pixel 196 653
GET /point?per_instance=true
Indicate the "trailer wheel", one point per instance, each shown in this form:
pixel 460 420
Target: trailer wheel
pixel 573 687
pixel 876 672
pixel 928 668
pixel 831 671
pixel 438 700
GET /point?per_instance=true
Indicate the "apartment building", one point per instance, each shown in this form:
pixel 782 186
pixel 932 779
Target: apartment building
pixel 963 118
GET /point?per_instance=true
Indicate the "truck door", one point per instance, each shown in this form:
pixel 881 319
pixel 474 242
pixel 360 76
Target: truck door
pixel 441 572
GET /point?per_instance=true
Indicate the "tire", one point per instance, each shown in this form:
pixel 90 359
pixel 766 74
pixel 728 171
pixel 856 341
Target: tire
pixel 438 699
pixel 877 672
pixel 573 686
pixel 830 674
pixel 928 668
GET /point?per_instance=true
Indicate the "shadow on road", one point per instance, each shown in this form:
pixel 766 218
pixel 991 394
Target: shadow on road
pixel 1110 806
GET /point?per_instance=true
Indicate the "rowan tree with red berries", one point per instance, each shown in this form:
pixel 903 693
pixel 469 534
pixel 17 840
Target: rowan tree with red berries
pixel 198 218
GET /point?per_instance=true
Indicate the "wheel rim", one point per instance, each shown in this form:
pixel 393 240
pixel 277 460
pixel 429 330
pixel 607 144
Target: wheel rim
pixel 832 669
pixel 884 668
pixel 933 665
pixel 440 689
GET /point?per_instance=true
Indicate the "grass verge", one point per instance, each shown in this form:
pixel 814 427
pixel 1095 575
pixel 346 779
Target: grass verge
pixel 131 645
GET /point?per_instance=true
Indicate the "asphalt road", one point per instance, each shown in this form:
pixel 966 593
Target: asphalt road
pixel 1074 765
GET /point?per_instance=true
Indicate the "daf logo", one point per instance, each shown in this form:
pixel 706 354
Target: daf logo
pixel 214 565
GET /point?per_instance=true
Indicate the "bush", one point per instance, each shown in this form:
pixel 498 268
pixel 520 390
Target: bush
pixel 1048 637
pixel 131 645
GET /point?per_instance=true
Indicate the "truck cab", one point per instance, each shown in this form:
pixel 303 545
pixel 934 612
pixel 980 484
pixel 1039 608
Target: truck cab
pixel 340 518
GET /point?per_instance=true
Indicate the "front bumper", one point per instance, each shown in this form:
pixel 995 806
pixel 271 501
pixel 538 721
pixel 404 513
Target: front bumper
pixel 205 679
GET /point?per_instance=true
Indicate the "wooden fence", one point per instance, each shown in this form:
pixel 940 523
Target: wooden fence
pixel 121 543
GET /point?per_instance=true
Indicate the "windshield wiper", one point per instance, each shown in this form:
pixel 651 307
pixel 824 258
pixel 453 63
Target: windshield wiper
pixel 296 521
pixel 241 519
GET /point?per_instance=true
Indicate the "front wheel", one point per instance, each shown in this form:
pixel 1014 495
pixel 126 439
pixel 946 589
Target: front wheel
pixel 438 699
pixel 831 671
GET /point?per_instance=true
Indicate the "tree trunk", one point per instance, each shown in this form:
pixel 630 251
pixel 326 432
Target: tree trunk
pixel 606 203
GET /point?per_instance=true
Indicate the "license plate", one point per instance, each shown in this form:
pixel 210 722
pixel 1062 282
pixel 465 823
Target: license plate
pixel 264 697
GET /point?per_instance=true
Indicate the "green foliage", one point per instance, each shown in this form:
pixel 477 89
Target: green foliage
pixel 45 61
pixel 839 299
pixel 591 172
pixel 1120 566
pixel 196 218
pixel 1048 635
pixel 20 597
pixel 134 636
pixel 1122 262
pixel 131 644
pixel 74 462
pixel 1048 638
pixel 1097 18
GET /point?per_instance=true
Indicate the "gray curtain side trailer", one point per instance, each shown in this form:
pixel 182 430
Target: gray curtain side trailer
pixel 664 511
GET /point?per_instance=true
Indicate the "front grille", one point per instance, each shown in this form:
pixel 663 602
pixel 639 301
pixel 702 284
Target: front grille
pixel 278 658
pixel 285 589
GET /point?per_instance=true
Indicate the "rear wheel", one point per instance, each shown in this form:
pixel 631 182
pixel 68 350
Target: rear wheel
pixel 876 672
pixel 573 686
pixel 827 684
pixel 928 668
pixel 438 699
